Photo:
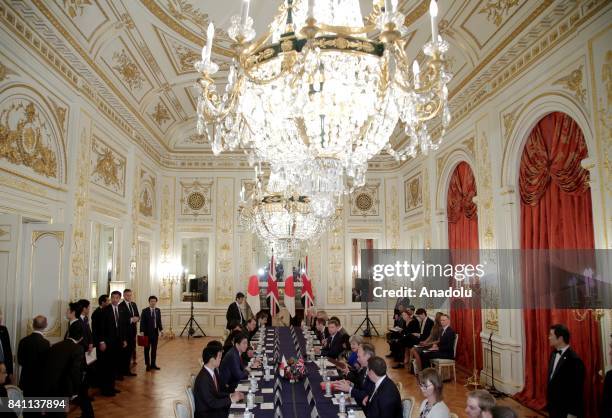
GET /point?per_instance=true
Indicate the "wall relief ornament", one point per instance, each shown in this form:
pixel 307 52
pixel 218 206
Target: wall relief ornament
pixel 573 83
pixel 392 215
pixel 5 72
pixel 497 9
pixel 196 196
pixel 160 114
pixel 108 167
pixel 25 138
pixel 224 240
pixel 187 57
pixel 147 194
pixel 364 201
pixel 78 254
pixel 74 7
pixel 413 194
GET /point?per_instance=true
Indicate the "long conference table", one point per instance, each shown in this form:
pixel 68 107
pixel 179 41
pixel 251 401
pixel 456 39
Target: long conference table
pixel 277 396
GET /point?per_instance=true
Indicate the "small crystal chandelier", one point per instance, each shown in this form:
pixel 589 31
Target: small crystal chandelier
pixel 321 93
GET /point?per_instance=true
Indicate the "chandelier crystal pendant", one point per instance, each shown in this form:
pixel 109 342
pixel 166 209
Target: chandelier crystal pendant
pixel 321 93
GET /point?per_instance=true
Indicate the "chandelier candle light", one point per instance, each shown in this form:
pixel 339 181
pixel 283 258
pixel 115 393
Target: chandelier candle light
pixel 320 94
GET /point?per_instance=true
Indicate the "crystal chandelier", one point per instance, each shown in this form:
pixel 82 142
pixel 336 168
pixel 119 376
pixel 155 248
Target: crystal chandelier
pixel 321 93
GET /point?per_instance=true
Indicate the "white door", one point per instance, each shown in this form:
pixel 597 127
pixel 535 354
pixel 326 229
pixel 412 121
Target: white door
pixel 10 228
pixel 45 279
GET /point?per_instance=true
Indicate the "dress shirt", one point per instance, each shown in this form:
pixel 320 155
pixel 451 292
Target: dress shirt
pixel 557 359
pixel 376 385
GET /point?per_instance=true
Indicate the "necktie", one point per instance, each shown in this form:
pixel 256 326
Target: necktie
pixel 423 325
pixel 154 318
pixel 240 312
pixel 215 380
pixel 115 314
pixel 86 320
pixel 129 304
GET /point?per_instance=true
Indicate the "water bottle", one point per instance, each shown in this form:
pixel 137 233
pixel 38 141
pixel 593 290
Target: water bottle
pixel 250 400
pixel 327 388
pixel 342 403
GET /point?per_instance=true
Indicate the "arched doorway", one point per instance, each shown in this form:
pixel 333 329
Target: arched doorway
pixel 556 213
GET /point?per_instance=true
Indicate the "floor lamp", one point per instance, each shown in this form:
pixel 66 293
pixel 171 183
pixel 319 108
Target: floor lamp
pixel 474 379
pixel 170 276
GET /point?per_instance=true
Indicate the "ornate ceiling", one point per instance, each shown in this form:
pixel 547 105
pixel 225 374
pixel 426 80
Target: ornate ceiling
pixel 138 55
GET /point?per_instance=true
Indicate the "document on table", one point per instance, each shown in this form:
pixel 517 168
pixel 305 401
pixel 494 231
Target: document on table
pixel 256 373
pixel 267 390
pixel 243 388
pixel 267 405
pixel 238 406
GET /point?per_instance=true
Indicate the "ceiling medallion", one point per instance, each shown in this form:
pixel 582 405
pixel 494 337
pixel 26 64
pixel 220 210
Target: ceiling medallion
pixel 320 94
pixel 196 200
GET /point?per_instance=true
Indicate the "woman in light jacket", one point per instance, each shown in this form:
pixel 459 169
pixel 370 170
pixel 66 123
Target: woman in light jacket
pixel 432 406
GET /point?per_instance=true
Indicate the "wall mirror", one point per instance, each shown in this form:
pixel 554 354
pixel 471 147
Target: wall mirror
pixel 102 270
pixel 195 258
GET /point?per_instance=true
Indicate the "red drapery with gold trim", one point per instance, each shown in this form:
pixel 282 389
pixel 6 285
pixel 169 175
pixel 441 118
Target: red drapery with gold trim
pixel 462 237
pixel 556 213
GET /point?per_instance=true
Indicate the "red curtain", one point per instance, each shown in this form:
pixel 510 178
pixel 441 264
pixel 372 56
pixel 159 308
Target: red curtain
pixel 556 213
pixel 463 246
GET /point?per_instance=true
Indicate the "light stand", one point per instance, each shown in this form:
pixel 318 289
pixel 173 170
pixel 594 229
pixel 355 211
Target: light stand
pixel 474 379
pixel 368 323
pixel 190 323
pixel 492 390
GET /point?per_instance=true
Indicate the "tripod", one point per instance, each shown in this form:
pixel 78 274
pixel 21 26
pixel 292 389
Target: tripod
pixel 368 323
pixel 190 323
pixel 492 390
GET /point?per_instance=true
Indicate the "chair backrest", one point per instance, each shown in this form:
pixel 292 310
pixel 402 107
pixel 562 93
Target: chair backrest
pixel 400 386
pixel 453 415
pixel 192 378
pixel 189 392
pixel 455 345
pixel 407 406
pixel 181 410
pixel 14 393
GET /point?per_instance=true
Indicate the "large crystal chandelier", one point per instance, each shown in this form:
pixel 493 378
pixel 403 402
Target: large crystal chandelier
pixel 321 93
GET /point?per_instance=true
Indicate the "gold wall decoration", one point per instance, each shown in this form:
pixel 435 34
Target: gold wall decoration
pixel 108 167
pixel 496 9
pixel 5 232
pixel 485 193
pixel 365 200
pixel 146 195
pixel 160 114
pixel 196 196
pixel 128 70
pixel 573 83
pixel 335 273
pixel 74 7
pixel 78 260
pixel 392 210
pixel 25 138
pixel 509 119
pixel 606 75
pixel 5 72
pixel 60 114
pixel 167 222
pixel 224 241
pixel 413 194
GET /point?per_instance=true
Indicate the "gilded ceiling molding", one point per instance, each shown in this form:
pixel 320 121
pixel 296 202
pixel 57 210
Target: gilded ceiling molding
pixel 128 70
pixel 75 7
pixel 573 83
pixel 160 114
pixel 5 72
pixel 25 138
pixel 496 9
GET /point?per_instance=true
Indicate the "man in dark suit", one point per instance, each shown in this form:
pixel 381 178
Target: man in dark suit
pixel 87 341
pixel 565 376
pixel 131 315
pixel 334 344
pixel 6 354
pixel 445 347
pixel 210 400
pixel 234 311
pixel 97 325
pixel 112 340
pixel 65 366
pixel 385 400
pixel 231 370
pixel 321 329
pixel 151 326
pixel 32 357
pixel 357 384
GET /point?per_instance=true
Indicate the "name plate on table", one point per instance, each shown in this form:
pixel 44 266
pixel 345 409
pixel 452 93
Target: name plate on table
pixel 238 406
pixel 267 405
pixel 256 373
pixel 243 388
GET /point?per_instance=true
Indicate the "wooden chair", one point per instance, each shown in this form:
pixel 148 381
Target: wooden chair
pixel 400 387
pixel 15 393
pixel 190 398
pixel 453 415
pixel 181 410
pixel 443 364
pixel 192 378
pixel 408 406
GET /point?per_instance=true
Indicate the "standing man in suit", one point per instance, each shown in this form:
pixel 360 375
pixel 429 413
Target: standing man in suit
pixel 97 325
pixel 334 343
pixel 357 384
pixel 445 347
pixel 385 400
pixel 130 312
pixel 235 311
pixel 65 365
pixel 210 400
pixel 151 326
pixel 6 354
pixel 113 340
pixel 565 376
pixel 32 357
pixel 87 341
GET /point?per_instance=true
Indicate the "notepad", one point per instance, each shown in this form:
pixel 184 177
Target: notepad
pixel 256 373
pixel 238 406
pixel 267 390
pixel 267 405
pixel 243 388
